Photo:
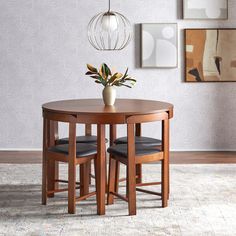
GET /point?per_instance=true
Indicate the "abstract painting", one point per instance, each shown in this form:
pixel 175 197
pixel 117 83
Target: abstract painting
pixel 205 9
pixel 210 55
pixel 159 45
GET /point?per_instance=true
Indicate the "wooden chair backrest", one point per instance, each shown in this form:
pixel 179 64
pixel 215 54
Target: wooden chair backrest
pixel 135 119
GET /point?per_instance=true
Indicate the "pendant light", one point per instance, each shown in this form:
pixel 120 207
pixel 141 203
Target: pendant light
pixel 109 31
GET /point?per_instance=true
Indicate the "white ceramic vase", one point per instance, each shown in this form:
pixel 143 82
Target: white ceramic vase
pixel 109 95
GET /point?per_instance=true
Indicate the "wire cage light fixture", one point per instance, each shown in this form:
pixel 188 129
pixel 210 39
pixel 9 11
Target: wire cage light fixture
pixel 109 31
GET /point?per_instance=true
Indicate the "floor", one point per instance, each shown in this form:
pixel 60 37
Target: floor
pixel 202 202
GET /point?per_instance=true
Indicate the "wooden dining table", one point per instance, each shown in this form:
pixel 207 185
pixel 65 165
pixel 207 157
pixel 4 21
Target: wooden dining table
pixel 93 111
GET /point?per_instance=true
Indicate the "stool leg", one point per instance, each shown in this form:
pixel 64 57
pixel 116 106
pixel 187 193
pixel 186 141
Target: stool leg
pixel 131 188
pixel 71 188
pixel 84 178
pixel 111 181
pixel 44 181
pixel 45 164
pixel 113 129
pixel 139 173
pixel 53 166
pixel 164 184
pixel 138 132
pixel 90 172
pixel 117 176
pixel 88 132
pixel 96 181
pixel 168 182
pixel 52 174
pixel 106 173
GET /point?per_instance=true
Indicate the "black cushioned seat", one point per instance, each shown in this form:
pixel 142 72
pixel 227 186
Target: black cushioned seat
pixel 80 139
pixel 140 140
pixel 140 150
pixel 82 149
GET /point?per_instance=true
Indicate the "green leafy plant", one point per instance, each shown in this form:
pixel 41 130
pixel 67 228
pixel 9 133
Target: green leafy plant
pixel 105 77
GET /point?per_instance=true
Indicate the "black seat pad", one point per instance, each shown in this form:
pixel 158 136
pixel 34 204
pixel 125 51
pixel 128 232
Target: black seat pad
pixel 140 150
pixel 82 149
pixel 140 140
pixel 80 139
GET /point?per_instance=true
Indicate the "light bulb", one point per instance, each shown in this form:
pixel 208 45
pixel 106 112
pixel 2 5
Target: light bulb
pixel 109 22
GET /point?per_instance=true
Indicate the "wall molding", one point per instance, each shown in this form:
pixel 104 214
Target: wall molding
pixel 172 150
pixel 20 149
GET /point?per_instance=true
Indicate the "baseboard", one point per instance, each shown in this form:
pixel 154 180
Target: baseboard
pixel 203 150
pixel 172 150
pixel 20 149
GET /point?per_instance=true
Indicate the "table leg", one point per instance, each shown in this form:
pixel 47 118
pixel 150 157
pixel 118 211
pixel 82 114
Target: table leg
pixel 131 171
pixel 113 129
pixel 44 164
pixel 72 169
pixel 113 177
pixel 53 166
pixel 165 163
pixel 101 176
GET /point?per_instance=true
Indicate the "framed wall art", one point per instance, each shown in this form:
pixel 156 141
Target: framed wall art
pixel 159 45
pixel 205 9
pixel 210 55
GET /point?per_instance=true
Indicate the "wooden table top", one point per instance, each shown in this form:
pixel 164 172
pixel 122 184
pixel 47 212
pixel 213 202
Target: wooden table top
pixel 96 106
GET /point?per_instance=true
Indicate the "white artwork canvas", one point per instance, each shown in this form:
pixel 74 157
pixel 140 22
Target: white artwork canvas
pixel 159 45
pixel 205 9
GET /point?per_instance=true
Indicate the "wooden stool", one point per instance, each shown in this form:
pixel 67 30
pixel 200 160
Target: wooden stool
pixel 139 139
pixel 132 154
pixel 73 154
pixel 87 138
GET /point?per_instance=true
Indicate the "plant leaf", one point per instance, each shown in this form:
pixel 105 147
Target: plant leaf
pixel 90 73
pixel 125 75
pixel 95 77
pixel 91 68
pixel 98 82
pixel 130 79
pixel 107 69
pixel 119 75
pixel 102 72
pixel 126 72
pixel 115 77
pixel 116 83
pixel 105 75
pixel 103 81
pixel 125 85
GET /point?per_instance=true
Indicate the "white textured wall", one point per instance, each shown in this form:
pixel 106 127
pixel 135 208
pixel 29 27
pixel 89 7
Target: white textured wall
pixel 43 52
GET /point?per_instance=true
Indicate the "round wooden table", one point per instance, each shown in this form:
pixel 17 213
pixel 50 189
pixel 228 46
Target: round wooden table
pixel 93 111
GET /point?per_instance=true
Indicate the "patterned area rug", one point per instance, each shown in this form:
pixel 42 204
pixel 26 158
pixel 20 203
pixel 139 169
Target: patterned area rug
pixel 202 202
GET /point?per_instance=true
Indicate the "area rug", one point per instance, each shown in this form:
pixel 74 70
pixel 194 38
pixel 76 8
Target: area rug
pixel 202 202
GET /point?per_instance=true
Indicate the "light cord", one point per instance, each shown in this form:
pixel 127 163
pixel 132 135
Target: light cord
pixel 109 5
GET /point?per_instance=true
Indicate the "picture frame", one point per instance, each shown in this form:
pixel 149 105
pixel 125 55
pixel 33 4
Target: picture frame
pixel 204 10
pixel 159 45
pixel 210 55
